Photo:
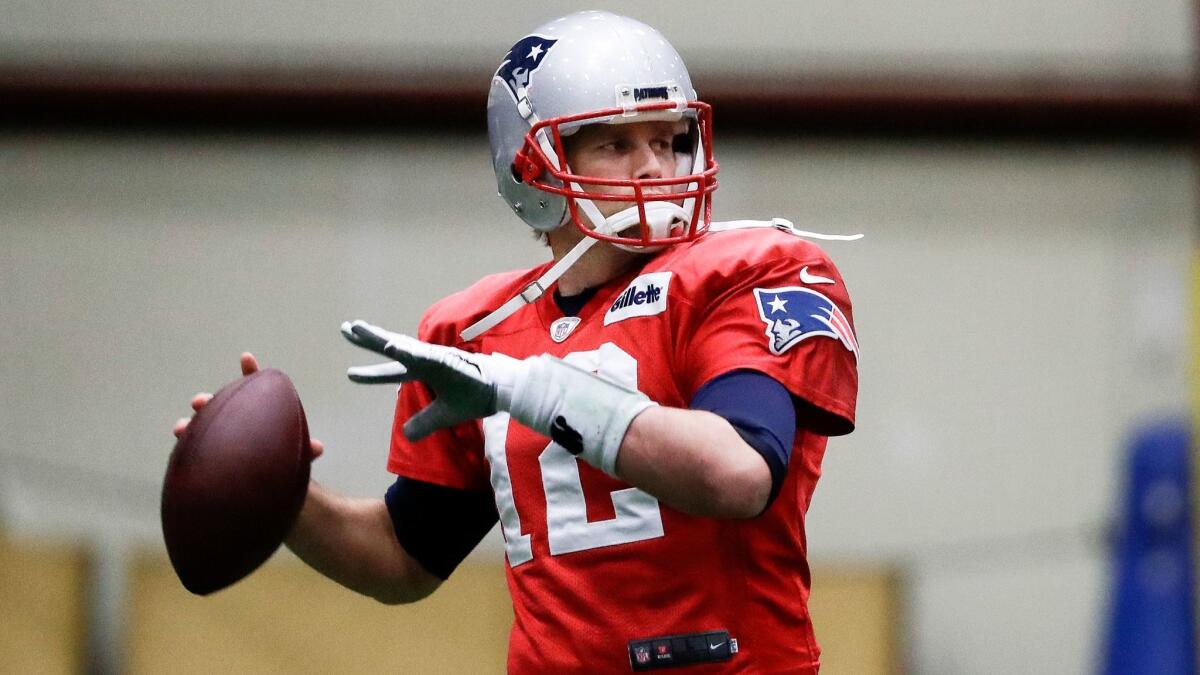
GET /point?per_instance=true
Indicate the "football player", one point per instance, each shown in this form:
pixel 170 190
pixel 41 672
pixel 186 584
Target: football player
pixel 645 414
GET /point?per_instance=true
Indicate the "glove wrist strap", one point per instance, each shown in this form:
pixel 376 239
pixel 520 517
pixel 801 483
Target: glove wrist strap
pixel 584 413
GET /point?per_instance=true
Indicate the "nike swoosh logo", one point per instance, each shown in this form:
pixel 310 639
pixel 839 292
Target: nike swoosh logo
pixel 807 278
pixel 716 646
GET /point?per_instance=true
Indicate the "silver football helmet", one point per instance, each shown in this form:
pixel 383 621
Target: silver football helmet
pixel 598 68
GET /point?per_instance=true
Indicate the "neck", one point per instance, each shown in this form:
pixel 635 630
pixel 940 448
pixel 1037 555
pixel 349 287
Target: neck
pixel 601 264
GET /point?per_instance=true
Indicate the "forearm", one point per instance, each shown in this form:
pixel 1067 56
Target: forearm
pixel 352 542
pixel 694 461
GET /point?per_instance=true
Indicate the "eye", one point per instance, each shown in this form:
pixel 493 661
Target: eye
pixel 663 144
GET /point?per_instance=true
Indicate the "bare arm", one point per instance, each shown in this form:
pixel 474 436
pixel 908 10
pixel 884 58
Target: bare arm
pixel 352 542
pixel 694 461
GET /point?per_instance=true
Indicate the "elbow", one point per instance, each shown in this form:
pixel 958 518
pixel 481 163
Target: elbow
pixel 389 598
pixel 396 597
pixel 405 586
pixel 740 491
pixel 400 594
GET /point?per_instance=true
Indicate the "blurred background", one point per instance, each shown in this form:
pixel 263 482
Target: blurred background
pixel 180 182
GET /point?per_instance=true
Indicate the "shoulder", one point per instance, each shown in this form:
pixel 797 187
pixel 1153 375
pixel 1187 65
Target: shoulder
pixel 735 257
pixel 767 300
pixel 446 318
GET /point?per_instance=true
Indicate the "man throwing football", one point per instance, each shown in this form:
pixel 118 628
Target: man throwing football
pixel 645 414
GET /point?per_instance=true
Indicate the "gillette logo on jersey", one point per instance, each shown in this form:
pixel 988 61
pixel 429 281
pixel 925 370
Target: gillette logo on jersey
pixel 634 296
pixel 517 68
pixel 794 313
pixel 644 296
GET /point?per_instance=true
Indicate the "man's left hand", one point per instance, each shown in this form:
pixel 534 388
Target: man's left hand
pixel 585 414
pixel 465 384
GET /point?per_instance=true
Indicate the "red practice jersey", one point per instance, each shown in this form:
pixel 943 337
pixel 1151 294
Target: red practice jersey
pixel 593 563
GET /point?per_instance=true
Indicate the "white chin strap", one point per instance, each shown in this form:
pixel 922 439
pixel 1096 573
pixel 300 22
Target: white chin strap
pixel 659 216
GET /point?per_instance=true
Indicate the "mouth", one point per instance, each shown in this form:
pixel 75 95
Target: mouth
pixel 634 231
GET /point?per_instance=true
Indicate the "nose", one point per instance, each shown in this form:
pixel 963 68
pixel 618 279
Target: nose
pixel 647 163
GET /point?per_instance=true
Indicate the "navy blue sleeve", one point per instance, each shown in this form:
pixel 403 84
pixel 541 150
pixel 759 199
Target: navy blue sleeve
pixel 437 525
pixel 761 410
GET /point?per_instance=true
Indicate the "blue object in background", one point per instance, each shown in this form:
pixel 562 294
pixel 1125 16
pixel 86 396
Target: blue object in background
pixel 1152 625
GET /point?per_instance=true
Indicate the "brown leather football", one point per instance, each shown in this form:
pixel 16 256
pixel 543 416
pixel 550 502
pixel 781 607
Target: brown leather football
pixel 236 481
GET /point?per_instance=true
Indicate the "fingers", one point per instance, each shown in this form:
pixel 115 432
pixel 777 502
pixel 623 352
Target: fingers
pixel 380 373
pixel 318 449
pixel 249 366
pixel 365 335
pixel 380 341
pixel 200 400
pixel 436 415
pixel 420 425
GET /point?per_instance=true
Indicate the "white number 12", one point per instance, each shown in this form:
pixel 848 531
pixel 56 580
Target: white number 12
pixel 567 527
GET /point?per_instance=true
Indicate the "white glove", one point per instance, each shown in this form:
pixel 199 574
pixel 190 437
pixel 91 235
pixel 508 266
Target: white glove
pixel 580 411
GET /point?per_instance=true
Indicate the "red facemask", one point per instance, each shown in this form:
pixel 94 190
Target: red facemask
pixel 533 167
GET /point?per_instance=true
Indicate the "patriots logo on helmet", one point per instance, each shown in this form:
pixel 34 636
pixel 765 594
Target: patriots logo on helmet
pixel 525 57
pixel 794 313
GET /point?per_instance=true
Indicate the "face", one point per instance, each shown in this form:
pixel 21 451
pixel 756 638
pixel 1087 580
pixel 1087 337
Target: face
pixel 636 150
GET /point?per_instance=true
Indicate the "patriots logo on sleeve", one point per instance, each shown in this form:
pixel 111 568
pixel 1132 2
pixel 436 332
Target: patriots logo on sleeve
pixel 794 313
pixel 525 57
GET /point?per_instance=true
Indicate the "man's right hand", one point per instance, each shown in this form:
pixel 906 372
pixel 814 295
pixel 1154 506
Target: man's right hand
pixel 249 367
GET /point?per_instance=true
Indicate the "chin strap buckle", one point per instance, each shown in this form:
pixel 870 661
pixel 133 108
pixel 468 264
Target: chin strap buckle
pixel 532 292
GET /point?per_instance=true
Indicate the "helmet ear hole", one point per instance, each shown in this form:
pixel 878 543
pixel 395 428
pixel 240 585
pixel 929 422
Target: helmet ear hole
pixel 516 173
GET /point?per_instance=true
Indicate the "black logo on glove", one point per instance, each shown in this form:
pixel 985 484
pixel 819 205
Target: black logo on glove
pixel 469 362
pixel 564 435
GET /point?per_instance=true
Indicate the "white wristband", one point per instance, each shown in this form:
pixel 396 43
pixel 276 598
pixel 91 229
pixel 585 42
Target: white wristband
pixel 580 411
